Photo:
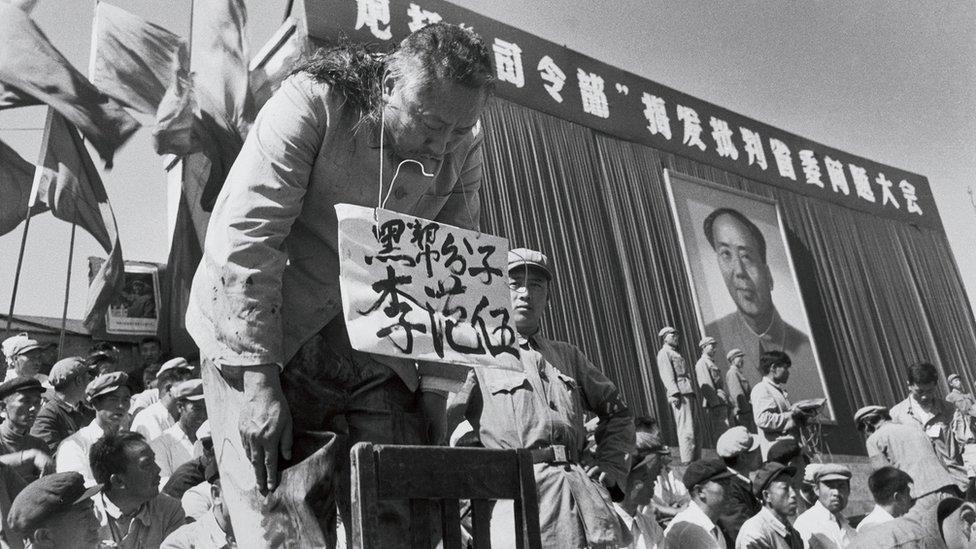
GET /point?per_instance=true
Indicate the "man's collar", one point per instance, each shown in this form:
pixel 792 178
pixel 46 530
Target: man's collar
pixel 781 387
pixel 112 510
pixel 825 514
pixel 775 522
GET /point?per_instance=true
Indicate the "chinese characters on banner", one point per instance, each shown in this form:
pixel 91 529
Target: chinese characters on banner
pixel 418 289
pixel 550 78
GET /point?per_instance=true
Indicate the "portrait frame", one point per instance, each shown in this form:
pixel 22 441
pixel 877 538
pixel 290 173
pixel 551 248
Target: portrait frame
pixel 685 197
pixel 120 318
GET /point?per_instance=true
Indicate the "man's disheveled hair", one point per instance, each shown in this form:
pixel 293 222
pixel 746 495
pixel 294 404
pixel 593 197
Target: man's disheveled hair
pixel 922 372
pixel 443 52
pixel 107 456
pixel 772 358
pixel 646 423
pixel 749 225
pixel 885 482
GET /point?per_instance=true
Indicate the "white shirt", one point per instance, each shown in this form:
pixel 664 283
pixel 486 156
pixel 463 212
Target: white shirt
pixel 645 531
pixel 692 528
pixel 152 421
pixel 197 501
pixel 72 454
pixel 820 528
pixel 173 448
pixel 141 401
pixel 877 516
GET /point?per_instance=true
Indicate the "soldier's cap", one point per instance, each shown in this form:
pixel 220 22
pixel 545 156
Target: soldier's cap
pixel 953 376
pixel 204 431
pixel 736 441
pixel 665 331
pixel 731 355
pixel 20 385
pixel 704 470
pixel 769 472
pixel 707 340
pixel 783 450
pixel 105 384
pixel 865 412
pixel 46 497
pixel 831 471
pixel 20 344
pixel 178 363
pixel 810 472
pixel 66 369
pixel 524 257
pixel 191 389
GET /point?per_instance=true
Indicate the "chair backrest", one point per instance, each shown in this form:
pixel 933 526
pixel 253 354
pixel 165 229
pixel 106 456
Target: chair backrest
pixel 433 477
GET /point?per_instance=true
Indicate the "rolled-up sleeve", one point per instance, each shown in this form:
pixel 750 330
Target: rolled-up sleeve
pixel 261 198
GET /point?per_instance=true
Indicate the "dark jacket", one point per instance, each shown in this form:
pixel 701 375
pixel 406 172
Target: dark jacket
pixel 57 420
pixel 740 506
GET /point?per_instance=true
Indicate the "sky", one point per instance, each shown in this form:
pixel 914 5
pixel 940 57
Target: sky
pixel 894 82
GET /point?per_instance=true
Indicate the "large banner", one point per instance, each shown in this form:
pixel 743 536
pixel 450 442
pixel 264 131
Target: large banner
pixel 743 280
pixel 417 289
pixel 550 78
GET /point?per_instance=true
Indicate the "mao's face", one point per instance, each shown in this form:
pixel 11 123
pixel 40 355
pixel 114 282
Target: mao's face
pixel 746 274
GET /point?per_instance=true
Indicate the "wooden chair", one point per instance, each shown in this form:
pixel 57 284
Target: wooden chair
pixel 434 477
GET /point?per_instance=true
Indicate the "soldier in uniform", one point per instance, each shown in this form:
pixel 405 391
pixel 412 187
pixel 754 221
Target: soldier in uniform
pixel 739 389
pixel 542 408
pixel 715 400
pixel 673 369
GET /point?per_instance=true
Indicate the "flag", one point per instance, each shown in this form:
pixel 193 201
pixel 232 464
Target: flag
pixel 31 64
pixel 133 60
pixel 11 98
pixel 26 5
pixel 16 179
pixel 176 118
pixel 68 184
pixel 276 60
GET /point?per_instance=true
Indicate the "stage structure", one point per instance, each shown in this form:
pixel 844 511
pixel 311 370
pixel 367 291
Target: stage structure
pixel 577 159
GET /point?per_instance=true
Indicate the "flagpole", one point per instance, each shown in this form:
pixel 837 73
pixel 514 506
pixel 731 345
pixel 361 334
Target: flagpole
pixel 288 7
pixel 67 291
pixel 20 264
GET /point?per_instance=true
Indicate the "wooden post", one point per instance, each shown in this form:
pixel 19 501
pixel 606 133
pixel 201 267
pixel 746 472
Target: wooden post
pixel 67 291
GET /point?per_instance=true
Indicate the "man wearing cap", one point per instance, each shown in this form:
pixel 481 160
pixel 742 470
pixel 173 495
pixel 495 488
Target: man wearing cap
pixel 772 411
pixel 711 383
pixel 25 357
pixel 697 526
pixel 109 395
pixel 900 446
pixel 542 408
pixel 770 528
pixel 175 446
pixel 21 400
pixel 211 529
pixel 739 388
pixel 645 467
pixel 151 421
pixel 824 525
pixel 673 370
pixel 55 511
pixel 739 449
pixel 131 511
pixel 65 413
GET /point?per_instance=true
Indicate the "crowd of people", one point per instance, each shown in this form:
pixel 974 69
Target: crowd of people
pixel 91 454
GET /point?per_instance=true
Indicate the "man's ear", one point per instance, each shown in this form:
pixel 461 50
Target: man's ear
pixel 42 538
pixel 388 83
pixel 116 481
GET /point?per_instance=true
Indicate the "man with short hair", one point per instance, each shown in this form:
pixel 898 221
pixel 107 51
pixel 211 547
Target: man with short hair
pixel 542 408
pixel 739 449
pixel 739 389
pixel 131 511
pixel 770 528
pixel 212 529
pixel 673 369
pixel 711 383
pixel 155 418
pixel 193 490
pixel 54 512
pixel 25 357
pixel 65 413
pixel 20 399
pixel 174 446
pixel 824 526
pixel 109 395
pixel 645 467
pixel 924 409
pixel 891 490
pixel 697 526
pixel 772 411
pixel 149 353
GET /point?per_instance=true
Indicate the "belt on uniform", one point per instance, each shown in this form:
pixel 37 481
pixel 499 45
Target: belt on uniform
pixel 557 453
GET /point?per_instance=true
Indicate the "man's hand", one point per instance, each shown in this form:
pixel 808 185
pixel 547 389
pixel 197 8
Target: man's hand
pixel 675 401
pixel 796 411
pixel 41 461
pixel 265 424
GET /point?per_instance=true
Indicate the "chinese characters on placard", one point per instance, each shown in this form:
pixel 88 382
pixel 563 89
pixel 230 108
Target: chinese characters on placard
pixel 417 288
pixel 699 129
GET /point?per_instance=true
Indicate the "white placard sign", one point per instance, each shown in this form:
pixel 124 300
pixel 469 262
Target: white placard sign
pixel 414 288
